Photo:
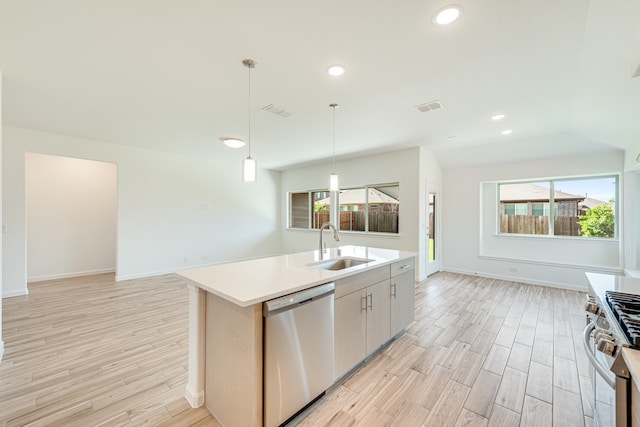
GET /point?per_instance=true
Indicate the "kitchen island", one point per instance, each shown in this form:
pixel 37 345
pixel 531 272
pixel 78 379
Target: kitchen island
pixel 226 324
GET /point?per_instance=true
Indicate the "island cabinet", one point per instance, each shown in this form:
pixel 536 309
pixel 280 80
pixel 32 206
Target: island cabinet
pixel 370 308
pixel 226 325
pixel 402 295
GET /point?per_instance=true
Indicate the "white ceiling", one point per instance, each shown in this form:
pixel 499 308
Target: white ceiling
pixel 167 75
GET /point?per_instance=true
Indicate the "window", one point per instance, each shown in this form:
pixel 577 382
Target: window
pixel 374 208
pixel 300 208
pixel 515 208
pixel 308 209
pixel 582 207
pixel 321 208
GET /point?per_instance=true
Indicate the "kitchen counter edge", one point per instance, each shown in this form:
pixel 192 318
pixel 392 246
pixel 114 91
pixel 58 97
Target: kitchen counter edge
pixel 294 269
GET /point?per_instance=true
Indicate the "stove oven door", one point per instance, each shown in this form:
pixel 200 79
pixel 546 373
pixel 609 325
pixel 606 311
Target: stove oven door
pixel 603 382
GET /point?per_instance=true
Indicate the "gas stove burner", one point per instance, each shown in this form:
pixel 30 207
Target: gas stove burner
pixel 626 310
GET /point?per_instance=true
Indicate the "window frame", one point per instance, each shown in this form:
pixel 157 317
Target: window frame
pixel 310 199
pixel 552 202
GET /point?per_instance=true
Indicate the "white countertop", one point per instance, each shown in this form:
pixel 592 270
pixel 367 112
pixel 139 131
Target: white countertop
pixel 254 281
pixel 600 283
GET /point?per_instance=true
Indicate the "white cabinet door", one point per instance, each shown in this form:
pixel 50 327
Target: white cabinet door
pixel 378 311
pixel 402 301
pixel 350 326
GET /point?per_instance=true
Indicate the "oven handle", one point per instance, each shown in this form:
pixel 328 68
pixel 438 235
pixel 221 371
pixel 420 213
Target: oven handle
pixel 610 379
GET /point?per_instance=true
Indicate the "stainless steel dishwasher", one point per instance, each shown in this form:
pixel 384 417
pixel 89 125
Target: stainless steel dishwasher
pixel 298 351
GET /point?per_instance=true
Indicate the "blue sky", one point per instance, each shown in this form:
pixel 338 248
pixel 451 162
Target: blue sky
pixel 596 188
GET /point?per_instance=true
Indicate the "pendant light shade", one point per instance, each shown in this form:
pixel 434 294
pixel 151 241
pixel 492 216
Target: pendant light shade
pixel 249 165
pixel 333 182
pixel 249 169
pixel 333 178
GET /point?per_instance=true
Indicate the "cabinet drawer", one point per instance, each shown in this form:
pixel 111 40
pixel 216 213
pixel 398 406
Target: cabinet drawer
pixel 361 280
pixel 402 266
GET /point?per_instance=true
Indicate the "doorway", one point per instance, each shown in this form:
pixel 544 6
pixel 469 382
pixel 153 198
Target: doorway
pixel 71 217
pixel 433 229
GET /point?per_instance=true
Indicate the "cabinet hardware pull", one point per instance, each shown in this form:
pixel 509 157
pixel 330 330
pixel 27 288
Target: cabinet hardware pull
pixel 363 304
pixel 394 290
pixel 405 266
pixel 370 306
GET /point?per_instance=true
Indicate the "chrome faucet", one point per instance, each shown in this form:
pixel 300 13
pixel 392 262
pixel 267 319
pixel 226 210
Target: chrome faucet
pixel 335 235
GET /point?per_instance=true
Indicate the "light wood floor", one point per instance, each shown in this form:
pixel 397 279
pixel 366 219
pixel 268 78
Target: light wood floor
pixel 89 352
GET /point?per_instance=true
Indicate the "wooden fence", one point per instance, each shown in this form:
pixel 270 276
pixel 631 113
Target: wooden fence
pixel 535 224
pixel 379 221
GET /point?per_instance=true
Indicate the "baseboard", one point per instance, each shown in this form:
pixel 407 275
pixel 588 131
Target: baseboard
pixel 121 277
pixel 20 293
pixel 517 279
pixel 196 400
pixel 69 275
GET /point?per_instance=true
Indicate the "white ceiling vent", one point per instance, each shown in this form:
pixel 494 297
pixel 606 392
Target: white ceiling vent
pixel 277 111
pixel 429 106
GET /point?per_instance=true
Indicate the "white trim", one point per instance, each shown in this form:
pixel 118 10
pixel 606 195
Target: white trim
pixel 632 273
pixel 517 279
pixel 11 294
pixel 594 268
pixel 1 349
pixel 196 400
pixel 68 275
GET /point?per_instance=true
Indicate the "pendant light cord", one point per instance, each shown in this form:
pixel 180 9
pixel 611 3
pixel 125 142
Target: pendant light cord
pixel 249 67
pixel 334 136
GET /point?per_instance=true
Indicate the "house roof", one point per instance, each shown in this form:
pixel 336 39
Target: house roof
pixel 530 192
pixel 357 197
pixel 589 203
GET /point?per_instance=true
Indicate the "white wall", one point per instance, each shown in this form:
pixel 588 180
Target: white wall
pixel 1 222
pixel 71 216
pixel 170 207
pixel 471 246
pixel 403 166
pixel 631 225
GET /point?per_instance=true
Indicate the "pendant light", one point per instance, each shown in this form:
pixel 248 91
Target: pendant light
pixel 249 165
pixel 333 178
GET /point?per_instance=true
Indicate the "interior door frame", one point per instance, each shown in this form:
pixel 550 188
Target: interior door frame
pixel 435 266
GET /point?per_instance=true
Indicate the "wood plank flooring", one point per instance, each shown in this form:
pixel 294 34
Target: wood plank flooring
pixel 91 352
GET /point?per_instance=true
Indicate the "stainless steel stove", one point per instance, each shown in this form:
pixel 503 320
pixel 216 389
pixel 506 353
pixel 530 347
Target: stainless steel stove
pixel 626 311
pixel 613 323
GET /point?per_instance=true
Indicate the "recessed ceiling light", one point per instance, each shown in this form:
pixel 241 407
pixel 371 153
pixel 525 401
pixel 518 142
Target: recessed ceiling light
pixel 336 70
pixel 233 142
pixel 497 117
pixel 506 132
pixel 447 14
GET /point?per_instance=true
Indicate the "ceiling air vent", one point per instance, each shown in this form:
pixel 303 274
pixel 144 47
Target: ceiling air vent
pixel 429 106
pixel 277 111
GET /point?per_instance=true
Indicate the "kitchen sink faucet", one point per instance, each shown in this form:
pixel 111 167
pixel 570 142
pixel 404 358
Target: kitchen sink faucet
pixel 335 236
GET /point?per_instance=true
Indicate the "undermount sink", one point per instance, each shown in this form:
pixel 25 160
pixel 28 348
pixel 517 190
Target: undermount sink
pixel 339 263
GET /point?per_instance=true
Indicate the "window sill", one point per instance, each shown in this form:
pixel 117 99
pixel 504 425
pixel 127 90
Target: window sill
pixel 356 233
pixel 611 240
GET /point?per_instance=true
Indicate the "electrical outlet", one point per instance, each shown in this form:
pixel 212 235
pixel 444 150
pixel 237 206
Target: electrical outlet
pixel 513 269
pixel 186 260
